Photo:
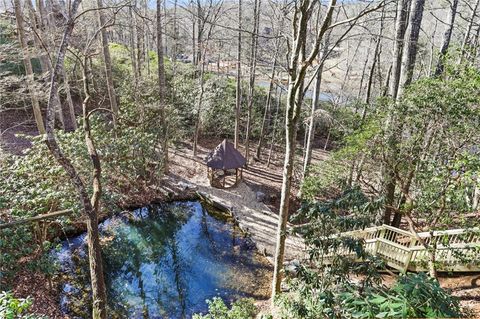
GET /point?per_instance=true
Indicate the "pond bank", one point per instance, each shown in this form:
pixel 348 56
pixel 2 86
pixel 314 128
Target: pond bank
pixel 165 260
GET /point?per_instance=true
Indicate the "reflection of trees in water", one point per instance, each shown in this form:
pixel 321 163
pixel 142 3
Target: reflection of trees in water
pixel 206 232
pixel 180 282
pixel 163 261
pixel 142 241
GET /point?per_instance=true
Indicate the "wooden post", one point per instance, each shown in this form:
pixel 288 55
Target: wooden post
pixel 407 261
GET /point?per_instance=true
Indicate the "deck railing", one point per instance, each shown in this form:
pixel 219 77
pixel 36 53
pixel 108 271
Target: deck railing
pixel 455 250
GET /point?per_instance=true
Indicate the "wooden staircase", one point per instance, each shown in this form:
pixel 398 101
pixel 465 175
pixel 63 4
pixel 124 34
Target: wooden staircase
pixel 457 250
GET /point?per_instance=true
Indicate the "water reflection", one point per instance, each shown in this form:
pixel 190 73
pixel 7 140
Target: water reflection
pixel 164 261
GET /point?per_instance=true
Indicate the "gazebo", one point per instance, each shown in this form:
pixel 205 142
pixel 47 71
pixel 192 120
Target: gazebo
pixel 224 162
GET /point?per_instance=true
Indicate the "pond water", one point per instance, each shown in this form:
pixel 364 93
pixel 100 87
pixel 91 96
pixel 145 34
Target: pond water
pixel 164 262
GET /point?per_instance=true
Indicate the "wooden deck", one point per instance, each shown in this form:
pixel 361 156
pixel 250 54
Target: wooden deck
pixel 457 250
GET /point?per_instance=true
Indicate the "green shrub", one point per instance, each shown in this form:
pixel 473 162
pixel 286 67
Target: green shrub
pixel 240 309
pixel 412 296
pixel 12 308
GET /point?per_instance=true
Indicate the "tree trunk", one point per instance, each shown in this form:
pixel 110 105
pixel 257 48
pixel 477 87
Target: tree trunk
pixel 214 14
pixel 376 58
pixel 147 37
pixel 410 53
pixel 364 71
pixel 166 47
pixel 238 99
pixel 45 63
pixel 311 126
pixel 408 65
pixel 36 25
pixel 89 206
pixel 266 115
pixel 400 30
pixel 253 66
pixel 108 62
pixel 69 99
pixel 275 124
pixel 432 49
pixel 476 196
pixel 162 88
pixel 140 44
pixel 200 27
pixel 298 65
pixel 30 80
pixel 133 46
pixel 199 108
pixel 446 38
pixel 194 48
pixel 175 31
pixel 469 29
pixel 290 129
pixel 388 173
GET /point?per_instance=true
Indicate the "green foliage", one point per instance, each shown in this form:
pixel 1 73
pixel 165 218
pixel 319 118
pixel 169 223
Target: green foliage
pixel 217 117
pixel 432 147
pixel 441 119
pixel 435 158
pixel 240 309
pixel 412 296
pixel 35 184
pixel 315 286
pixel 334 172
pixel 12 308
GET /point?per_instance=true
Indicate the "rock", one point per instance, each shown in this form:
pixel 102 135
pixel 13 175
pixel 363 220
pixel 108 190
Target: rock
pixel 184 186
pixel 260 196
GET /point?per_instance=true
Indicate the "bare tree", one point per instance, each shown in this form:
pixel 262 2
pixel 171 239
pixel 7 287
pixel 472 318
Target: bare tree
pixel 446 37
pixel 90 205
pixel 210 15
pixel 388 174
pixel 107 62
pixel 266 113
pixel 471 22
pixel 238 100
pixel 162 87
pixel 253 65
pixel 297 65
pixel 28 67
pixel 408 65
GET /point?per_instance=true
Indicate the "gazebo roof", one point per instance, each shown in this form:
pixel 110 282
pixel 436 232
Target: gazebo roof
pixel 225 156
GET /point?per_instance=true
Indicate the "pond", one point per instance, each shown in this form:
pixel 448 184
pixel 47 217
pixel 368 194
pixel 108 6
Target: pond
pixel 164 261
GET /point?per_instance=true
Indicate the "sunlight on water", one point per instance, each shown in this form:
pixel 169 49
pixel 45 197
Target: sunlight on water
pixel 164 262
